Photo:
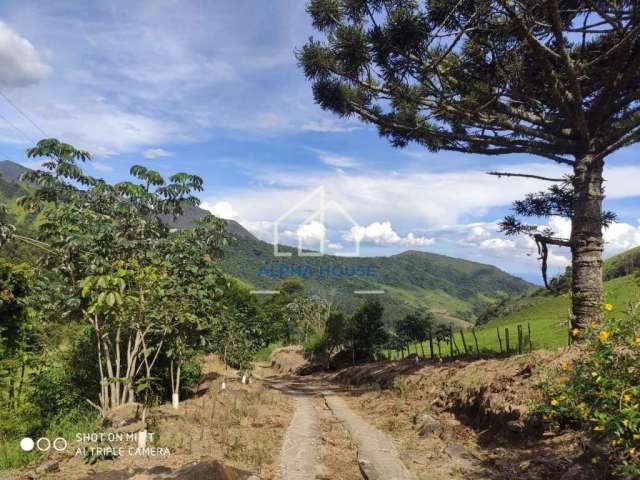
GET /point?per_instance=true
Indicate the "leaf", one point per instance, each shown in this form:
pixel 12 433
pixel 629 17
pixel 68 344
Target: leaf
pixel 111 299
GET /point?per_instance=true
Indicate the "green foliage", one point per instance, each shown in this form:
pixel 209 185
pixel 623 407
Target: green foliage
pixel 622 264
pixel 316 344
pixel 415 327
pixel 335 330
pixel 600 392
pixel 365 333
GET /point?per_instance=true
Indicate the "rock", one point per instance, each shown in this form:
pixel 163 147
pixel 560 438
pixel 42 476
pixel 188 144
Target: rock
pixel 159 470
pixel 580 472
pixel 429 425
pixel 516 426
pixel 48 467
pixel 210 470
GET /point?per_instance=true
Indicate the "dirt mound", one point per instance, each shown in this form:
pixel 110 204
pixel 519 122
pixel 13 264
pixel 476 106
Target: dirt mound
pixel 212 470
pixel 475 414
pixel 485 392
pixel 288 359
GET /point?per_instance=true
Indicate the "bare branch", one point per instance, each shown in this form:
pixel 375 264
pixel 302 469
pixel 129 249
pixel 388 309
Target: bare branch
pixel 526 175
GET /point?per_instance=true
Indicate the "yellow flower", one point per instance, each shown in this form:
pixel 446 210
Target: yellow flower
pixel 632 451
pixel 594 460
pixel 625 422
pixel 626 397
pixel 566 366
pixel 575 332
pixel 636 436
pixel 599 428
pixel 638 340
pixel 603 336
pixel 554 402
pixel 608 307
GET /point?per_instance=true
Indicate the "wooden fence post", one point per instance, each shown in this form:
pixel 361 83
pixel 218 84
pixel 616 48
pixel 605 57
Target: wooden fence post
pixel 506 335
pixel 499 338
pixel 451 340
pixel 475 338
pixel 430 343
pixel 464 343
pixel 519 339
pixel 530 341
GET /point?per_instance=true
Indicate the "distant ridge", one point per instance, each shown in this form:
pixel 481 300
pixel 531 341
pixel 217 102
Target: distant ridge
pixel 456 290
pixel 11 171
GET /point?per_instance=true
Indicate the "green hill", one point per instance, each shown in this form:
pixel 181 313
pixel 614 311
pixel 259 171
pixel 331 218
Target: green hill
pixel 622 264
pixel 548 313
pixel 455 290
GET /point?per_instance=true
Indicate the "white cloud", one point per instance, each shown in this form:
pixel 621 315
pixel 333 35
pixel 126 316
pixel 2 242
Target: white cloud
pixel 339 161
pixel 156 153
pixel 382 234
pixel 412 240
pixel 409 198
pixel 221 209
pixel 311 232
pixel 98 125
pixel 21 63
pixel 101 167
pixel 327 125
pixel 269 120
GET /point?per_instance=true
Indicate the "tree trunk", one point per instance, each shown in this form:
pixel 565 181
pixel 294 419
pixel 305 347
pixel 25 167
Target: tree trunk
pixel 586 242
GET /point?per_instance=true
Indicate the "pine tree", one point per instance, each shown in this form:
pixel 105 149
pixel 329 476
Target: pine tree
pixel 555 79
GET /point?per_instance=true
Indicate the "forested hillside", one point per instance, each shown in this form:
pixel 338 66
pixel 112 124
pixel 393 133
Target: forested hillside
pixel 455 290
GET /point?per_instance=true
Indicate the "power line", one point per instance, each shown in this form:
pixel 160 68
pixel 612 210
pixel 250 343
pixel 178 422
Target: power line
pixel 23 113
pixel 30 140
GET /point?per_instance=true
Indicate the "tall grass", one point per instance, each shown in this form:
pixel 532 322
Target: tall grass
pixel 65 426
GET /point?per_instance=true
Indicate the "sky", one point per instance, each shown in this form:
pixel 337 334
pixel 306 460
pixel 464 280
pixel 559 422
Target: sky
pixel 214 89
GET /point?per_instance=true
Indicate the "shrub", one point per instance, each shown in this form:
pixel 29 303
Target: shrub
pixel 316 344
pixel 600 392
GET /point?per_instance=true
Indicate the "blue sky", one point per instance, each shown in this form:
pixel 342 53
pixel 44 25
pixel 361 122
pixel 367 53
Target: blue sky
pixel 213 88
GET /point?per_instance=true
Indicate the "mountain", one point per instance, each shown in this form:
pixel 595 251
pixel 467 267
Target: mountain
pixel 455 290
pixel 11 171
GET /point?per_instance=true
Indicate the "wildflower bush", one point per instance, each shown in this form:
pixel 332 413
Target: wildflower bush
pixel 600 392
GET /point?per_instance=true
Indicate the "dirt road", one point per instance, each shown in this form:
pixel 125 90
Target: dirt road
pixel 302 453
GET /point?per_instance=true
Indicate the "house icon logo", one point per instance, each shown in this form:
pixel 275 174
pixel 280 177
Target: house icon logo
pixel 317 217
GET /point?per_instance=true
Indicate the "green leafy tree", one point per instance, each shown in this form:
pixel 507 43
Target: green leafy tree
pixel 306 315
pixel 415 327
pixel 20 334
pixel 365 331
pixel 104 241
pixel 335 331
pixel 191 293
pixel 281 316
pixel 554 79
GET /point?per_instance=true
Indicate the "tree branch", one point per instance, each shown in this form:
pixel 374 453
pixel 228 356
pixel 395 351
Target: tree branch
pixel 526 175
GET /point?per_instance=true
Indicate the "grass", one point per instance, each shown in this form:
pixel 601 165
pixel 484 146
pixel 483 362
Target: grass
pixel 264 354
pixel 548 319
pixel 66 426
